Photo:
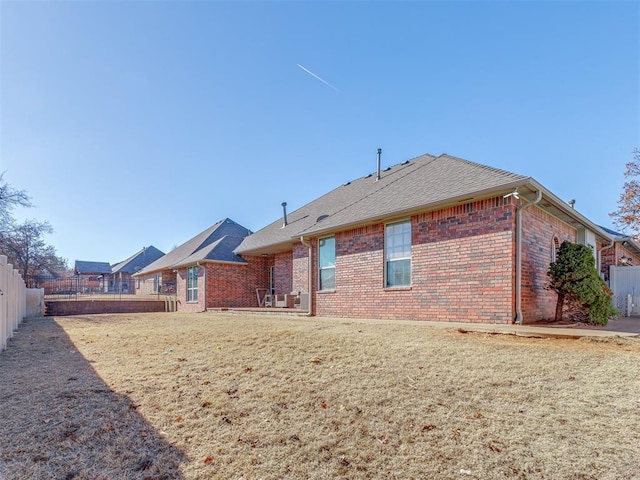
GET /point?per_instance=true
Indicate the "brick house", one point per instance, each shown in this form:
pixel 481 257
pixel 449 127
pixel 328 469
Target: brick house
pixel 204 272
pixel 620 267
pixel 623 251
pixel 432 238
pixel 120 279
pixel 94 276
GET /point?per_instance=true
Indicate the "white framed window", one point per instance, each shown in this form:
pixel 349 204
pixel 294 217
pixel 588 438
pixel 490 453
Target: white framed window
pixel 397 254
pixel 192 284
pixel 157 282
pixel 327 263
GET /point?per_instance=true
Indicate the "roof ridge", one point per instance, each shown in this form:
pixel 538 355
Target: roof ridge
pixel 129 258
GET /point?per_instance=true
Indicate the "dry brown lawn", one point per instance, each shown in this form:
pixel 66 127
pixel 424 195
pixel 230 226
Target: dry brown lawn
pixel 228 396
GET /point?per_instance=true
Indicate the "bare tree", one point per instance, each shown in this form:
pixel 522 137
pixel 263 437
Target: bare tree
pixel 9 199
pixel 26 249
pixel 627 216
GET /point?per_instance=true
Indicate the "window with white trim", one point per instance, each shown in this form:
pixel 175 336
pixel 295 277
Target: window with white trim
pixel 327 263
pixel 192 284
pixel 157 282
pixel 397 254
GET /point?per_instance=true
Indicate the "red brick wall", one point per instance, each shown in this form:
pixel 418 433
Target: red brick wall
pixel 145 284
pixel 283 274
pixel 462 264
pixel 60 308
pixel 538 231
pixel 235 285
pixel 300 281
pixel 612 256
pixel 222 285
pixel 463 267
pixel 181 291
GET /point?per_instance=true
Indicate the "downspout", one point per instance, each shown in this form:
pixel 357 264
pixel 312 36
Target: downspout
pixel 310 269
pixel 599 260
pixel 519 319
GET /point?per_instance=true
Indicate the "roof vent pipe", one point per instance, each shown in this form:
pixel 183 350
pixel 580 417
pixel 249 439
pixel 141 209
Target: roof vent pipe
pixel 284 214
pixel 378 175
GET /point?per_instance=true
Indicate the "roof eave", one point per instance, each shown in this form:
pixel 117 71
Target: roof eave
pixel 563 211
pixel 468 197
pixel 270 249
pixel 572 216
pixel 189 264
pixel 631 245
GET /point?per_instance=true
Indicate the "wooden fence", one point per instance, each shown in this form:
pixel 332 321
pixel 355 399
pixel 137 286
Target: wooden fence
pixel 13 301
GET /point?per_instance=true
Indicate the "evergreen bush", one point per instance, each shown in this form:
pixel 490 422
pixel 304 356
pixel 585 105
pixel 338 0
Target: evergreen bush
pixel 574 278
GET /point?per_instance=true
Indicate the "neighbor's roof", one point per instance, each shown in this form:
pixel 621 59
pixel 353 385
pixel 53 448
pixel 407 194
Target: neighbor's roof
pixel 419 184
pixel 627 241
pixel 91 268
pixel 138 260
pixel 215 244
pixel 616 235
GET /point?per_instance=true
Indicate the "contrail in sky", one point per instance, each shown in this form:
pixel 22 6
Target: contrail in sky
pixel 316 76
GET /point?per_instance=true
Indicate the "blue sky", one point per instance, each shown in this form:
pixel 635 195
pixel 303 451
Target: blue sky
pixel 142 123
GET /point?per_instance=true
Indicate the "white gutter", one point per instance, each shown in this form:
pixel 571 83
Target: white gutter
pixel 310 268
pixel 519 319
pixel 599 259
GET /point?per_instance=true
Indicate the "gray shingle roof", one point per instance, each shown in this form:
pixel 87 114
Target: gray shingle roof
pixel 418 183
pixel 216 243
pixel 138 260
pixel 613 233
pixel 91 268
pixel 627 241
pixel 220 251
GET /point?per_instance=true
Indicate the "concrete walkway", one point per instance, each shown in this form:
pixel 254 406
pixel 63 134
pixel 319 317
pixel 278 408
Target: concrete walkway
pixel 622 327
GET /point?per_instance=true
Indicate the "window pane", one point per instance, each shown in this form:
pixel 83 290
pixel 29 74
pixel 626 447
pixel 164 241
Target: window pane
pixel 327 279
pixel 398 273
pixel 192 284
pixel 327 263
pixel 397 254
pixel 398 240
pixel 327 252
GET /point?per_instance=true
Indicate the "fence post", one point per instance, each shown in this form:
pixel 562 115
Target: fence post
pixel 4 299
pixel 10 302
pixel 13 300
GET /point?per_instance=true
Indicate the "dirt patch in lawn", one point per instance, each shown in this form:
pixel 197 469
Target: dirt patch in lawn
pixel 202 396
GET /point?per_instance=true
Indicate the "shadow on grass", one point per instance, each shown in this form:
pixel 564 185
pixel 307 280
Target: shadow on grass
pixel 59 420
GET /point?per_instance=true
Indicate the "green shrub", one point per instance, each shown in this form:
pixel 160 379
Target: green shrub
pixel 574 278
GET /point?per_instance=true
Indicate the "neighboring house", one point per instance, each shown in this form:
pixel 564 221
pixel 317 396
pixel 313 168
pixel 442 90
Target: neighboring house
pixel 103 277
pixel 620 267
pixel 432 238
pixel 120 277
pixel 623 251
pixel 204 272
pixel 94 276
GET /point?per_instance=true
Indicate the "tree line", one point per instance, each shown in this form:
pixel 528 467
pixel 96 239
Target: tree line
pixel 23 242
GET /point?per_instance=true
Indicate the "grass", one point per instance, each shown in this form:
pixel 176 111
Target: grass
pixel 228 396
